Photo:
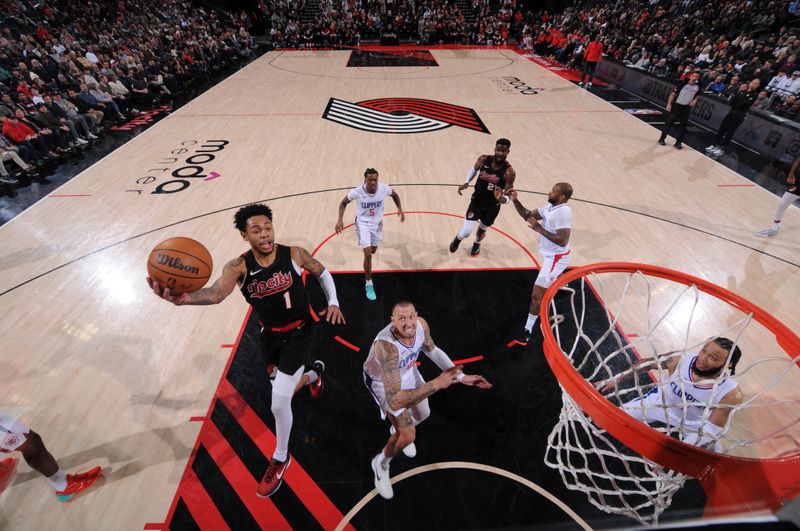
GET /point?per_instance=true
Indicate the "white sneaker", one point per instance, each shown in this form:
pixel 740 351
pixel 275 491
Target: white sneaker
pixel 589 84
pixel 81 142
pixel 382 481
pixel 718 152
pixel 580 84
pixel 767 233
pixel 410 450
pixel 92 136
pixel 711 148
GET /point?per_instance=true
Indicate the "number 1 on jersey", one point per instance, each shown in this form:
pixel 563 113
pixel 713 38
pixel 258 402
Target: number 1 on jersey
pixel 288 299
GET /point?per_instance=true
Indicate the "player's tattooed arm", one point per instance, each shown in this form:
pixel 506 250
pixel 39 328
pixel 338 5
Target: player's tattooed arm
pixel 306 261
pixel 523 212
pixel 396 198
pixel 301 257
pixel 396 398
pixel 340 222
pixel 503 195
pixel 559 237
pixel 667 361
pixel 216 293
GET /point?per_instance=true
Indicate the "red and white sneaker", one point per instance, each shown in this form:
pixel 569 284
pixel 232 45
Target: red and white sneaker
pixel 77 483
pixel 272 478
pixel 318 386
pixel 7 468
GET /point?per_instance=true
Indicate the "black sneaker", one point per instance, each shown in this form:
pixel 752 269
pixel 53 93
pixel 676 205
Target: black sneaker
pixel 661 142
pixel 678 145
pixel 476 249
pixel 454 245
pixel 317 387
pixel 521 339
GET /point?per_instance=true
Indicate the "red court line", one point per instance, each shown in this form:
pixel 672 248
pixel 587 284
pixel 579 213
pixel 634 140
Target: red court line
pixel 467 360
pixel 326 240
pixel 199 503
pixel 733 185
pixel 262 510
pixel 306 489
pixel 155 526
pixel 197 419
pixel 231 345
pixel 70 195
pixel 171 511
pixel 435 270
pixel 347 344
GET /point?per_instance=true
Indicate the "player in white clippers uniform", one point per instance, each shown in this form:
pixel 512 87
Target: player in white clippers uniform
pixel 391 375
pixel 16 436
pixel 696 382
pixel 369 219
pixel 555 228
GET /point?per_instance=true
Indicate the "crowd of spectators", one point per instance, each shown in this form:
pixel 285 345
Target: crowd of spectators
pixel 296 24
pixel 729 42
pixel 70 69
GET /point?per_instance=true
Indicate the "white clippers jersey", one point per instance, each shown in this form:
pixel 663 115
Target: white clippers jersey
pixel 407 357
pixel 698 397
pixel 554 218
pixel 369 209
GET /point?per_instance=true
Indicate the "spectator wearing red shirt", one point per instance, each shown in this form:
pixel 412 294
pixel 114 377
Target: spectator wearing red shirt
pixel 22 135
pixel 592 56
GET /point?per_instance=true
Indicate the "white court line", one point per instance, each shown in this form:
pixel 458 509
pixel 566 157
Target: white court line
pixel 450 465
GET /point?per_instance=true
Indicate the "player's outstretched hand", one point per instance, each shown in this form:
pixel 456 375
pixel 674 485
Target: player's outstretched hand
pixel 511 193
pixel 178 300
pixel 448 377
pixel 334 315
pixel 339 226
pixel 462 188
pixel 402 216
pixel 476 380
pixel 606 386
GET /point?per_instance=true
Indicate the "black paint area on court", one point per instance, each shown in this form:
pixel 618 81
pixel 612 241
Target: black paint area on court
pixel 471 314
pixel 365 58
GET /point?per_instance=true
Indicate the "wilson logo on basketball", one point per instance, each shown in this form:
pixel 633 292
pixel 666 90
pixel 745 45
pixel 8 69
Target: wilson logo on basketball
pixel 402 115
pixel 262 288
pixel 175 263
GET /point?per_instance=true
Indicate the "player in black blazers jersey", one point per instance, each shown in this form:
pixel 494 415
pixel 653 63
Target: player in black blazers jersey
pixel 495 176
pixel 270 279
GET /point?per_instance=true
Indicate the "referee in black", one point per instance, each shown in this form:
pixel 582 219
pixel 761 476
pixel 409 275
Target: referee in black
pixel 740 103
pixel 680 104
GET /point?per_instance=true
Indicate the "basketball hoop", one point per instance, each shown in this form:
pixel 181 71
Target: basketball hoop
pixel 631 468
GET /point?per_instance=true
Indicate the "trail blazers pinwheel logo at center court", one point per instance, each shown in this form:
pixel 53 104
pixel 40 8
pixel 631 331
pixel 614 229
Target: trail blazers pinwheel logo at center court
pixel 402 115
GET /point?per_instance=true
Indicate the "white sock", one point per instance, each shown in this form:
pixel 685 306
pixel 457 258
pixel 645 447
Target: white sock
pixel 776 226
pixel 312 377
pixel 58 481
pixel 530 322
pixel 369 282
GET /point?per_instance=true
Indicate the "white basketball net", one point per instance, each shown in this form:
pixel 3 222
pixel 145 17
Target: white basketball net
pixel 648 317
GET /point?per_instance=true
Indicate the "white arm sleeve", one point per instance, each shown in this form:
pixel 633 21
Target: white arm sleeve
pixel 328 287
pixel 470 175
pixel 441 359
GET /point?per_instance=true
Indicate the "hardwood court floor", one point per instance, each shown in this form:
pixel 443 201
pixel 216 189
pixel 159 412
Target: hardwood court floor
pixel 111 375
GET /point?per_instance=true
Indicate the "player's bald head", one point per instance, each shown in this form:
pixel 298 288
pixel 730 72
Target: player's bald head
pixel 402 305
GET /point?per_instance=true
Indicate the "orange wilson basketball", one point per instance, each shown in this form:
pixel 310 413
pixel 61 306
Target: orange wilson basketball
pixel 181 264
